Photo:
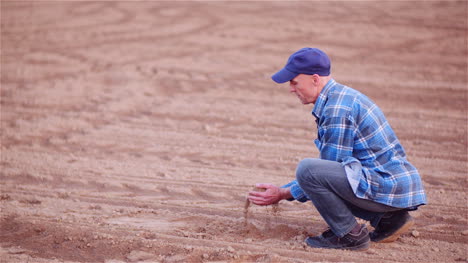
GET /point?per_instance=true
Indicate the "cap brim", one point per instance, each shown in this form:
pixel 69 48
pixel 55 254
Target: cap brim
pixel 283 76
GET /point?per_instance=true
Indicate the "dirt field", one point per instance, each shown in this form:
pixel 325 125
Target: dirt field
pixel 132 131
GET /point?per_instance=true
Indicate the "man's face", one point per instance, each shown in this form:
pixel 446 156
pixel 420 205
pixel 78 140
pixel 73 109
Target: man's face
pixel 305 87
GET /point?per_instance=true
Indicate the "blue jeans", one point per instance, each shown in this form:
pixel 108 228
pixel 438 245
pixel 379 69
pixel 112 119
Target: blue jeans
pixel 327 186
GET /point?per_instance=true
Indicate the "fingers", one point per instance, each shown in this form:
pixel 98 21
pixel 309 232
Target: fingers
pixel 258 200
pixel 268 197
pixel 266 186
pixel 262 198
pixel 255 193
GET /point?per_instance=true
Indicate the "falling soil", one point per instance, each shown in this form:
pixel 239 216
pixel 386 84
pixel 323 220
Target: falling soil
pixel 247 205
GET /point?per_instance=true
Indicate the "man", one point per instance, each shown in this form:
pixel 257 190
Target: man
pixel 362 170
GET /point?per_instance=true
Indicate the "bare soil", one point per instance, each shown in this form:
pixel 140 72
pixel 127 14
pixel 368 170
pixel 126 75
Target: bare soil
pixel 132 131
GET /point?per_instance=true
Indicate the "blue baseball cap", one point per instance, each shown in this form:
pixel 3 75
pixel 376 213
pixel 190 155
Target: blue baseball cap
pixel 308 61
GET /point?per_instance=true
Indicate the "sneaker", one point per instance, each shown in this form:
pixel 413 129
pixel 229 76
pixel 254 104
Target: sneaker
pixel 391 226
pixel 328 239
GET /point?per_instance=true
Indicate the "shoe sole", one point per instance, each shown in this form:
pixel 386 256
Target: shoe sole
pixel 398 233
pixel 361 247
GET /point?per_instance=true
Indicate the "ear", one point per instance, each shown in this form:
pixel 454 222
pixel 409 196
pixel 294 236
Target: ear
pixel 316 79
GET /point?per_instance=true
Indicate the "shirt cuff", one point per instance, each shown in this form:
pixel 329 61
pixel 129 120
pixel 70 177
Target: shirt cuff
pixel 296 191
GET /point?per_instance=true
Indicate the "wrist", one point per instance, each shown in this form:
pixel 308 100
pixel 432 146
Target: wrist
pixel 285 193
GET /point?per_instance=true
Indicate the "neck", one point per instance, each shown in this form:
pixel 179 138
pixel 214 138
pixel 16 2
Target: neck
pixel 323 81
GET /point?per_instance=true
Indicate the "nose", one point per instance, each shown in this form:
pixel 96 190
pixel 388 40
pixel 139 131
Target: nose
pixel 292 89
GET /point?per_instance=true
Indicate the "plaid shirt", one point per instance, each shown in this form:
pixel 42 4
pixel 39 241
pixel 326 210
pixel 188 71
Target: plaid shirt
pixel 352 130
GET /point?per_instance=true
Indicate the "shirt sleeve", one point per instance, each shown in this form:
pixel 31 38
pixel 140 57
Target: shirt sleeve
pixel 336 138
pixel 296 191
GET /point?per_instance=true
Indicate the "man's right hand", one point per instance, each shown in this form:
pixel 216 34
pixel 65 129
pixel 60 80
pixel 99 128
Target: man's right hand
pixel 272 195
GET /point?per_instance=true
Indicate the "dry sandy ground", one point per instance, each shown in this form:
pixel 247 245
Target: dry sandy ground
pixel 132 131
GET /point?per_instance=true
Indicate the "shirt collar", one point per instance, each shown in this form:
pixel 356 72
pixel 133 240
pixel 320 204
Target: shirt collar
pixel 322 99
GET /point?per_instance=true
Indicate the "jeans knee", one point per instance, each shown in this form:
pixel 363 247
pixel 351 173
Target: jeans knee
pixel 304 171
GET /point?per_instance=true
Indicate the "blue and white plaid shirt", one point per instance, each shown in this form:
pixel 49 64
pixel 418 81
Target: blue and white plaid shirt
pixel 353 130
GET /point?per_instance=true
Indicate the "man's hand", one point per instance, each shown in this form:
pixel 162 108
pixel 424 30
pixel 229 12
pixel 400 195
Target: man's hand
pixel 272 195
